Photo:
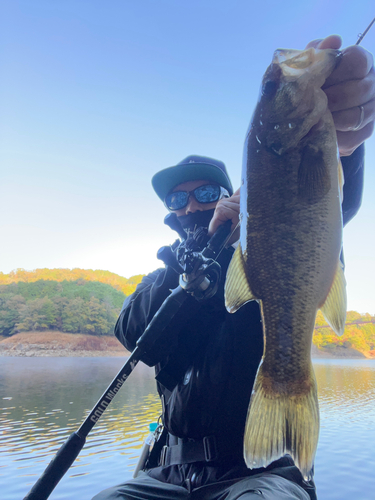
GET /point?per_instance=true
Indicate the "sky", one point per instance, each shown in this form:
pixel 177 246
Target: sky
pixel 96 97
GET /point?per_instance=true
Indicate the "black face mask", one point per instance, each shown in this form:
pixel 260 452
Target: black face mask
pixel 197 219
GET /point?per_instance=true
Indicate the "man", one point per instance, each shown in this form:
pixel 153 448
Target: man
pixel 208 362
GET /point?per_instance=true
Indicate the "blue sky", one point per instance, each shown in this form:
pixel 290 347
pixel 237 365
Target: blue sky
pixel 96 97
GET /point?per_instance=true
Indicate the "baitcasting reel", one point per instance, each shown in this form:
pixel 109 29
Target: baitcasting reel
pixel 194 259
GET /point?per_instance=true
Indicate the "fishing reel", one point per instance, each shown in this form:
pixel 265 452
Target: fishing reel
pixel 194 259
pixel 201 275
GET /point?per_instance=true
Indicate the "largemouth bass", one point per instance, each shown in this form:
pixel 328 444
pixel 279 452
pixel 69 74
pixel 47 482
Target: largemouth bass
pixel 288 257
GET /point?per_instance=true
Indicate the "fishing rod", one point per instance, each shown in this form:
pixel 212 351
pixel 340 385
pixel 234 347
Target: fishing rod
pixel 362 35
pixel 199 278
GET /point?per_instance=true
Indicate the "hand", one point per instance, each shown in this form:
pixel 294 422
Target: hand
pixel 350 86
pixel 227 209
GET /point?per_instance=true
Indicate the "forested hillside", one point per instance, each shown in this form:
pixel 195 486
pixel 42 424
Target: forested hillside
pixel 127 286
pixel 69 306
pixel 86 301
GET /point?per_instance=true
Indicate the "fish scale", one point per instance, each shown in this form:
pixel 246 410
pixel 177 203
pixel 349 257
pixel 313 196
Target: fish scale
pixel 288 256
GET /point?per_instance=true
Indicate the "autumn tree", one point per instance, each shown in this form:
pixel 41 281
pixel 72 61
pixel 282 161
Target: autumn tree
pixel 73 307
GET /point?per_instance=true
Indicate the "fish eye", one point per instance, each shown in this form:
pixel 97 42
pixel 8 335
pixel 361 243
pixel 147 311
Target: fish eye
pixel 269 88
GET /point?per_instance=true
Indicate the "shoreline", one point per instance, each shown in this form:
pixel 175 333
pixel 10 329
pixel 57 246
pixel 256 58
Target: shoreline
pixel 339 353
pixel 59 344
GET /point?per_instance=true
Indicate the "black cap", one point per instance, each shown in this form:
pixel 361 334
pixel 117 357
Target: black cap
pixel 192 168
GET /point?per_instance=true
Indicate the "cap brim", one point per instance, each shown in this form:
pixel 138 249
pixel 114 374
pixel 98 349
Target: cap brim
pixel 165 180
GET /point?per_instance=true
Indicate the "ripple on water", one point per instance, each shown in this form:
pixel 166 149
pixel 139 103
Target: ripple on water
pixel 31 442
pixel 42 417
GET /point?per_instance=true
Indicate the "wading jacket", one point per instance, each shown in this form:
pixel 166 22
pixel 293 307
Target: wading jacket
pixel 207 361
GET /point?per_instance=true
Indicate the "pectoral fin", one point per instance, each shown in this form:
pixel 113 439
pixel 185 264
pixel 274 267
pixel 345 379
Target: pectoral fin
pixel 237 289
pixel 334 308
pixel 313 175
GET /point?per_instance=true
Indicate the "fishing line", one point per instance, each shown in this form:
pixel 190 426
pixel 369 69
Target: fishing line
pixel 227 239
pixel 362 35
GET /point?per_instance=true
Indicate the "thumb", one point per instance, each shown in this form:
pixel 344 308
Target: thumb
pixel 330 42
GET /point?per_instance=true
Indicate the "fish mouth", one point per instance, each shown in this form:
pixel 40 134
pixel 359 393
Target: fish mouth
pixel 294 63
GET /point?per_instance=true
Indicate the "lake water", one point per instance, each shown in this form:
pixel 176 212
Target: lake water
pixel 43 400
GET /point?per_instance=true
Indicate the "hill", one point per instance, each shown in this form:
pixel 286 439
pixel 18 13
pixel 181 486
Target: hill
pixel 89 302
pixel 69 306
pixel 125 285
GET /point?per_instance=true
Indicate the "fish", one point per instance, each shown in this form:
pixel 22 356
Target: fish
pixel 288 256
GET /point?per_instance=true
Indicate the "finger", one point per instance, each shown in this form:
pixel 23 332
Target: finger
pixel 233 200
pixel 214 224
pixel 236 231
pixel 351 93
pixel 234 196
pixel 314 43
pixel 330 42
pixel 349 141
pixel 222 214
pixel 356 63
pixel 350 119
pixel 226 211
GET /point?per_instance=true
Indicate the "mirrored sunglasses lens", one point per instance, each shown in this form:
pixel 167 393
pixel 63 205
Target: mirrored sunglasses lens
pixel 207 194
pixel 177 200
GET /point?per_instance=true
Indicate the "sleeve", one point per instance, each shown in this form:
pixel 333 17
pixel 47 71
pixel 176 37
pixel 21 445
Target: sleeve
pixel 353 167
pixel 140 307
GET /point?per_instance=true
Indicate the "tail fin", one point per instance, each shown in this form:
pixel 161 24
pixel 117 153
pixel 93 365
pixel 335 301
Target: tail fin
pixel 282 423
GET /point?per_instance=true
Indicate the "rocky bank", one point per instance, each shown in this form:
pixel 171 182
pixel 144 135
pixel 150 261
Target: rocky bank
pixel 52 343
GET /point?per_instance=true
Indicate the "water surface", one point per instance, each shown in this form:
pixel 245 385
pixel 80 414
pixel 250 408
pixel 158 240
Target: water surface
pixel 345 460
pixel 43 400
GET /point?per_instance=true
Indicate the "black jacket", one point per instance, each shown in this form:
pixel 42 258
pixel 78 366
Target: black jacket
pixel 209 358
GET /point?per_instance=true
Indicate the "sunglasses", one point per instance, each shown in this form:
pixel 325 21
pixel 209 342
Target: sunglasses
pixel 209 193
